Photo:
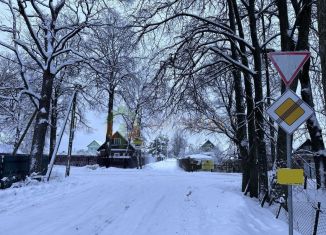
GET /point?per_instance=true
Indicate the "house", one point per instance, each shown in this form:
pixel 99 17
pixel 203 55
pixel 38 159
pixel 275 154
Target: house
pixel 120 148
pixel 207 146
pixel 304 157
pixel 122 152
pixel 93 146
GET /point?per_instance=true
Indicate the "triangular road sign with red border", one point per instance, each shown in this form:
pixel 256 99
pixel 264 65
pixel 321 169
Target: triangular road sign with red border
pixel 289 63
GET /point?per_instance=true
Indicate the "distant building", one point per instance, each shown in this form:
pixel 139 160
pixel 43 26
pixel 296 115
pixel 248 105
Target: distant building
pixel 207 146
pixel 123 154
pixel 304 157
pixel 120 147
pixel 93 146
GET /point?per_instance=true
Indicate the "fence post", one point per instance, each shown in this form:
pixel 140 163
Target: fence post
pixel 279 210
pixel 305 182
pixel 264 199
pixel 316 219
pixel 1 166
pixel 1 171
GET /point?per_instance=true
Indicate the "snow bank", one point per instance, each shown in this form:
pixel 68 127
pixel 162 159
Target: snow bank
pixel 166 165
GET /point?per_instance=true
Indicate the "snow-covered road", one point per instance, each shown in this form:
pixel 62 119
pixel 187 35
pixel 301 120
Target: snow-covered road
pixel 158 200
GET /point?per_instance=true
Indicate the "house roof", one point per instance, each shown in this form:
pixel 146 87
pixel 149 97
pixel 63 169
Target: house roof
pixel 306 146
pixel 115 135
pixel 200 156
pixel 208 143
pixel 94 142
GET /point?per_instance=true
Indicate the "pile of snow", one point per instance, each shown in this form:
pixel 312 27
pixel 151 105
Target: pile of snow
pixel 166 165
pixel 131 201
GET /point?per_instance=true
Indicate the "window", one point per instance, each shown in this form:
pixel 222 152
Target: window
pixel 117 141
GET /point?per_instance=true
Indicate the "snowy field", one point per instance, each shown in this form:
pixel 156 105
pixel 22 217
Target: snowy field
pixel 158 200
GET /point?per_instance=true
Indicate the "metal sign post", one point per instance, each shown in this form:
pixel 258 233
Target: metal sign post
pixel 289 165
pixel 289 111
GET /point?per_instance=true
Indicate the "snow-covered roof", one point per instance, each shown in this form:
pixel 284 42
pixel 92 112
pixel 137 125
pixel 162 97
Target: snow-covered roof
pixel 208 142
pixel 94 142
pixel 200 156
pixel 6 148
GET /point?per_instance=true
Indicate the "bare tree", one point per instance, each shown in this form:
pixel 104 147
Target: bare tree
pixel 205 41
pixel 12 100
pixel 301 31
pixel 110 48
pixel 42 31
pixel 178 143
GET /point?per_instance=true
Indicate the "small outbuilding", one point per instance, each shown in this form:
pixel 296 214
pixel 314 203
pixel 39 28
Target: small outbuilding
pixel 194 162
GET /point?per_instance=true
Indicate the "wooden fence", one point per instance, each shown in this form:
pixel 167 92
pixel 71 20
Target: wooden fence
pixel 77 160
pixel 16 168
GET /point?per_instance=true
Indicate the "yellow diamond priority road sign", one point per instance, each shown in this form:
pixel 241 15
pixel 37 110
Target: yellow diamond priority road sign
pixel 289 111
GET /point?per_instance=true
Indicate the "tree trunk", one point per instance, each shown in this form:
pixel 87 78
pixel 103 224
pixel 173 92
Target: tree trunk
pixel 109 131
pixel 286 45
pixel 139 121
pixel 54 120
pixel 321 8
pixel 259 118
pixel 314 129
pixel 18 128
pixel 268 94
pixel 41 124
pixel 251 166
pixel 241 131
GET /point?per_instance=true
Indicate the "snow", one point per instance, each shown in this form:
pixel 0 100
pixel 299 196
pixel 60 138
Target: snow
pixel 42 121
pixel 160 199
pixel 322 153
pixel 6 148
pixel 167 165
pixel 43 110
pixel 244 143
pixel 200 156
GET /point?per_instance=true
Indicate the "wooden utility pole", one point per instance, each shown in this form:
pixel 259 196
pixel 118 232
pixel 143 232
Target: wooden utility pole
pixel 72 132
pixel 54 154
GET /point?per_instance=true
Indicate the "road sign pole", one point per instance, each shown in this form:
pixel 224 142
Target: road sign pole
pixel 289 165
pixel 289 111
